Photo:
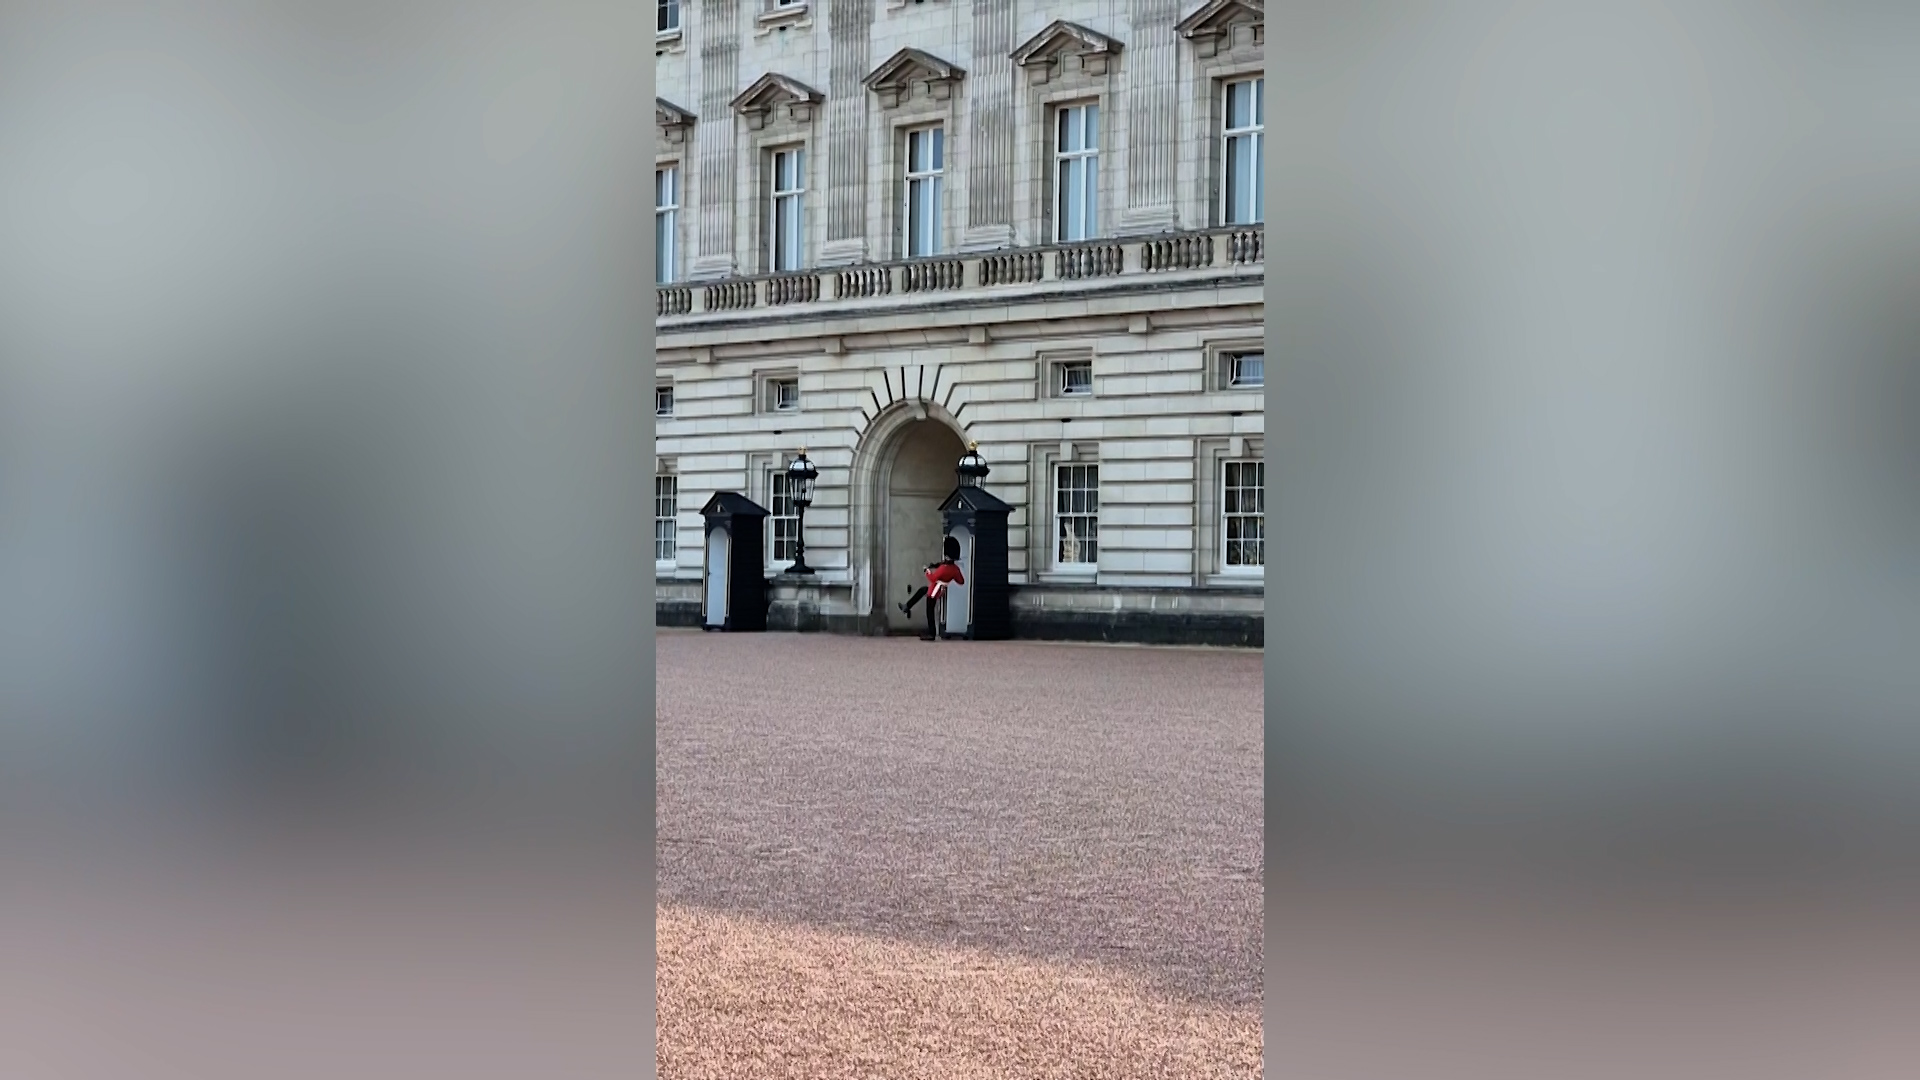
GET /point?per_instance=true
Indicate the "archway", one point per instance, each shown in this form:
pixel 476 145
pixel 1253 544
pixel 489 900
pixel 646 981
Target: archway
pixel 902 468
pixel 917 475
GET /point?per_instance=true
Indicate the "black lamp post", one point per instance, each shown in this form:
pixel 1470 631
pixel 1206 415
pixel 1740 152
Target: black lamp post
pixel 800 477
pixel 972 468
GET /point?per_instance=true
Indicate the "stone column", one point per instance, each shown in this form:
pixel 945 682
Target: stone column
pixel 1153 116
pixel 990 128
pixel 718 30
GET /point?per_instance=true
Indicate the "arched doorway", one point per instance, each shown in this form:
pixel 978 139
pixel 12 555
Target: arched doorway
pixel 916 474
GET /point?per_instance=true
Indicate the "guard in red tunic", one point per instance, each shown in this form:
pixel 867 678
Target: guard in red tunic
pixel 939 576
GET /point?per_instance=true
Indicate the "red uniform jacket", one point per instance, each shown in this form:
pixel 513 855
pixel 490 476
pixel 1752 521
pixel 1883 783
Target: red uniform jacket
pixel 938 577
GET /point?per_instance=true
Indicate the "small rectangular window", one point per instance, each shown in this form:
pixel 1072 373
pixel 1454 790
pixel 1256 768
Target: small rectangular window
pixel 1075 378
pixel 783 395
pixel 669 16
pixel 1246 370
pixel 663 400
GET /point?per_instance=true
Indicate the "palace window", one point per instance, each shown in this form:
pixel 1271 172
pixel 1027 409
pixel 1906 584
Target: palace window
pixel 1074 378
pixel 1076 515
pixel 783 395
pixel 783 517
pixel 926 159
pixel 787 214
pixel 1244 371
pixel 1076 172
pixel 669 17
pixel 1243 516
pixel 1243 132
pixel 666 223
pixel 666 519
pixel 663 400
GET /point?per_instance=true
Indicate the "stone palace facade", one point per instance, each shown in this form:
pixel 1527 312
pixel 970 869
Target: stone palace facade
pixel 888 228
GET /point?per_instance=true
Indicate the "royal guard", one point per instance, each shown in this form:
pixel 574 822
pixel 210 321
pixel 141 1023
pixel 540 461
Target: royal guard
pixel 939 576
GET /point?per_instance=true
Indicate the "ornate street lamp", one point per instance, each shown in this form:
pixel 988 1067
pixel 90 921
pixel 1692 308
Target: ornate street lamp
pixel 972 468
pixel 800 477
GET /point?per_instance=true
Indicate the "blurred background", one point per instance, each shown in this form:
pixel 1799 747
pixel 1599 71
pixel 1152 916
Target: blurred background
pixel 325 655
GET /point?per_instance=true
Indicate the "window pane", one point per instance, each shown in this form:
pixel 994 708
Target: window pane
pixel 1260 101
pixel 1071 198
pixel 1239 105
pixel 1091 118
pixel 1066 141
pixel 1089 197
pixel 1259 178
pixel 1239 181
pixel 930 217
pixel 663 254
pixel 939 149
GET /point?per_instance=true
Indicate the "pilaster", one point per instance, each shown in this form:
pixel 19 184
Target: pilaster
pixel 718 34
pixel 990 128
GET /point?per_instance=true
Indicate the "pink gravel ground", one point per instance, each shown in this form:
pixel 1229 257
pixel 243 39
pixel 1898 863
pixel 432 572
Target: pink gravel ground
pixel 887 858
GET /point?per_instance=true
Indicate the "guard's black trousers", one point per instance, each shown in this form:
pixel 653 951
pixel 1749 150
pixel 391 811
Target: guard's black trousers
pixel 919 595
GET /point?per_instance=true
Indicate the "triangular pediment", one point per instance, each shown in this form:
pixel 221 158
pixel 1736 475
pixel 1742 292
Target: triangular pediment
pixel 772 90
pixel 909 66
pixel 1061 38
pixel 668 115
pixel 1216 16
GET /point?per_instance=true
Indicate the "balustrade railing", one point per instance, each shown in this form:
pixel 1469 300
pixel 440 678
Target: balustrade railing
pixel 1223 249
pixel 736 295
pixel 1012 267
pixel 933 275
pixel 1182 252
pixel 674 300
pixel 1247 245
pixel 862 281
pixel 802 288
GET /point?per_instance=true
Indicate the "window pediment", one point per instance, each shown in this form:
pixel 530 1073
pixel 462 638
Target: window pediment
pixel 894 80
pixel 673 121
pixel 1042 53
pixel 774 91
pixel 1214 25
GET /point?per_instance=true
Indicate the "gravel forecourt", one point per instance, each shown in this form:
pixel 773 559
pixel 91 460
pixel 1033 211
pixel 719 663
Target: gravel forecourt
pixel 885 858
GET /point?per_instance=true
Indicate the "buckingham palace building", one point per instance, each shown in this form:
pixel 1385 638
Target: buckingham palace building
pixel 888 229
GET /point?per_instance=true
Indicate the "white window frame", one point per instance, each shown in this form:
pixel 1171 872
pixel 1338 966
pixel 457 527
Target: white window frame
pixel 778 486
pixel 1253 136
pixel 917 180
pixel 1064 514
pixel 667 17
pixel 1060 385
pixel 774 402
pixel 663 394
pixel 781 259
pixel 1064 161
pixel 1230 373
pixel 1228 469
pixel 666 527
pixel 666 223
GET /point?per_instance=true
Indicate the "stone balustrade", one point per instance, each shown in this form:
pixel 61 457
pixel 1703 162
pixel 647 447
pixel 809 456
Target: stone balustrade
pixel 1212 249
